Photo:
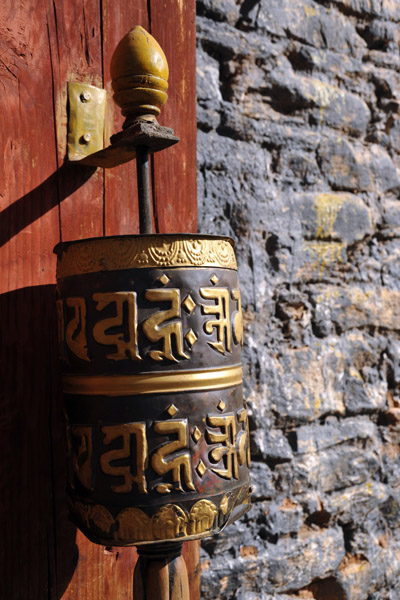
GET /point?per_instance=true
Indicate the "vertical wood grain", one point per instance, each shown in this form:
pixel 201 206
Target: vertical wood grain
pixel 76 53
pixel 120 192
pixel 43 45
pixel 172 23
pixel 29 228
pixel 191 554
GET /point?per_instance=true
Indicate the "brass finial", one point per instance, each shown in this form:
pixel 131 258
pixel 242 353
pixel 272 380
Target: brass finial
pixel 139 72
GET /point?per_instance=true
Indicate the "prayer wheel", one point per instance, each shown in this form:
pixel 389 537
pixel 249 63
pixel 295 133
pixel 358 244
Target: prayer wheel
pixel 150 336
pixel 150 332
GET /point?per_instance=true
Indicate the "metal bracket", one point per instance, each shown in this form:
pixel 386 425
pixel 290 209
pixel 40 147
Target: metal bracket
pixel 87 105
pixel 86 131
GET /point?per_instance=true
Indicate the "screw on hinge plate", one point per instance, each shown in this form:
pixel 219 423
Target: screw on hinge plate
pixel 139 73
pixel 85 120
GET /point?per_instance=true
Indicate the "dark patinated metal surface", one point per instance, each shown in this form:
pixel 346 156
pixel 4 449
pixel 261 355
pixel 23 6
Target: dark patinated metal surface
pixel 157 427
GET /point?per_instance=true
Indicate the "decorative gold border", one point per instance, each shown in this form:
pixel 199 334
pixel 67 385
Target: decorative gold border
pixel 153 383
pixel 145 251
pixel 133 527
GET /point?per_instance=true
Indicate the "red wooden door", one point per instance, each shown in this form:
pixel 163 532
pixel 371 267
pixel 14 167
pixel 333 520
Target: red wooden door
pixel 43 45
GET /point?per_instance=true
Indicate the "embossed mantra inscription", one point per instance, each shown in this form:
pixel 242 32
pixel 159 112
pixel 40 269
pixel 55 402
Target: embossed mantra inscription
pixel 150 335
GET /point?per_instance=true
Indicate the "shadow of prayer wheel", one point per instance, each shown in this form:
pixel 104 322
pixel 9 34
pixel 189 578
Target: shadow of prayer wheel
pixel 150 335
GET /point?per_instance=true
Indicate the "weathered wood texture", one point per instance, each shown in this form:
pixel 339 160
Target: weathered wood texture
pixel 165 578
pixel 120 194
pixel 173 26
pixel 44 44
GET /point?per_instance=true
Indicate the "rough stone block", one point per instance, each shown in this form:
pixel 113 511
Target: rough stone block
pixel 329 470
pixel 352 505
pixel 219 10
pixel 307 21
pixel 312 438
pixel 329 222
pixel 313 554
pixel 208 82
pixel 282 518
pixel 353 307
pixel 335 107
pixel 261 481
pixel 290 564
pixel 270 445
pixel 379 8
pixel 305 384
pixel 330 216
pixel 391 210
pixel 355 577
pixel 353 167
pixel 323 225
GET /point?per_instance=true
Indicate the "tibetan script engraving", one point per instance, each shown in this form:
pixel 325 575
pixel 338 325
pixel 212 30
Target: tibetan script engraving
pixel 159 327
pixel 75 334
pixel 222 322
pixel 126 348
pixel 244 438
pixel 81 451
pixel 167 458
pixel 126 431
pixel 237 318
pixel 227 448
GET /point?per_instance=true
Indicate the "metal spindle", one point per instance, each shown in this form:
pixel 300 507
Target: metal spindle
pixel 143 183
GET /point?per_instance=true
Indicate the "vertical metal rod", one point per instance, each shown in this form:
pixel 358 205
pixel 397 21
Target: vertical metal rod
pixel 143 183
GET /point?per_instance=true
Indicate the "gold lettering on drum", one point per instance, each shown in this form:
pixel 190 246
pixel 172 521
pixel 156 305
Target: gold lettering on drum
pixel 244 438
pixel 222 322
pixel 163 460
pixel 126 348
pixel 237 318
pixel 154 329
pixel 126 431
pixel 226 449
pixel 75 334
pixel 81 453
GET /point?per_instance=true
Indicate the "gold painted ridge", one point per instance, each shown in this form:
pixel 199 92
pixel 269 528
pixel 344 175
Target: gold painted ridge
pixel 153 383
pixel 144 251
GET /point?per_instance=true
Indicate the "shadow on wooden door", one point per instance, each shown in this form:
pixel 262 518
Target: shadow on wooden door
pixel 38 540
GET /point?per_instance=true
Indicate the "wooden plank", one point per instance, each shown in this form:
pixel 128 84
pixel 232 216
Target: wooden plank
pixel 172 23
pixel 120 189
pixel 43 44
pixel 29 229
pixel 76 53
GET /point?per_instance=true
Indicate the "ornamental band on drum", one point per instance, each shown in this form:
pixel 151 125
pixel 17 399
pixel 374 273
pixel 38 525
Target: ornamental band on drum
pixel 150 335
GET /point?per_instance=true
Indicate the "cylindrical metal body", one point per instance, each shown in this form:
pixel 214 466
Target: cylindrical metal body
pixel 150 331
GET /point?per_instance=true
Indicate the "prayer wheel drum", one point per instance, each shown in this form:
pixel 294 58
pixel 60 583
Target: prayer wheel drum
pixel 150 335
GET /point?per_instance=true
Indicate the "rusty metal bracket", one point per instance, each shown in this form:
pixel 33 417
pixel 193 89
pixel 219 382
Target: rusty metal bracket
pixel 87 105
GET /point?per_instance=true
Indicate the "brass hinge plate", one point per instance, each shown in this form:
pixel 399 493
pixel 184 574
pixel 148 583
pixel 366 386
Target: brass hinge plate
pixel 87 105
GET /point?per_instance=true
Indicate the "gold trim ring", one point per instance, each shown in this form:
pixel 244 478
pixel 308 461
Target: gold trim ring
pixel 144 251
pixel 153 383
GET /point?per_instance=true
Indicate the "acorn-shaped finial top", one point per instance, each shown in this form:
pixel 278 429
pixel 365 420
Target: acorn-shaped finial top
pixel 139 72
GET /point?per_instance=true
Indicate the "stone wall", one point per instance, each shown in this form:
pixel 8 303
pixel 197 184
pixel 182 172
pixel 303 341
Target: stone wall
pixel 298 157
